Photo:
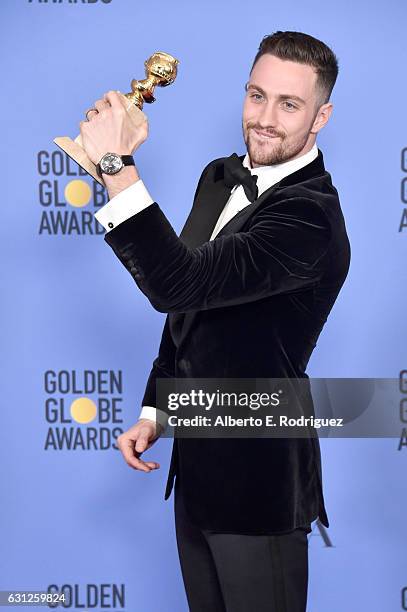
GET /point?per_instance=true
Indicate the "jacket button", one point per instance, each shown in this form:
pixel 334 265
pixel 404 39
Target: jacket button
pixel 110 224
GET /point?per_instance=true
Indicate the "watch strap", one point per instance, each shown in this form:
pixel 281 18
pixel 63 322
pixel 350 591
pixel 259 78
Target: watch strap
pixel 128 160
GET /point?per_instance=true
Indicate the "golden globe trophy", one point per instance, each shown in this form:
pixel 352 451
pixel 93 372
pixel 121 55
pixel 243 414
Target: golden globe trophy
pixel 161 70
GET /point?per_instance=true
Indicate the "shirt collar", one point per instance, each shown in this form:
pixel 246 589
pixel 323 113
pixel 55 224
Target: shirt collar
pixel 269 175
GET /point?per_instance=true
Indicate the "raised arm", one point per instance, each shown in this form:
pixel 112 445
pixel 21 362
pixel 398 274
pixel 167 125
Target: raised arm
pixel 281 252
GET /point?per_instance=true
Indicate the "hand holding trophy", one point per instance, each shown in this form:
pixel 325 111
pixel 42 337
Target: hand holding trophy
pixel 161 70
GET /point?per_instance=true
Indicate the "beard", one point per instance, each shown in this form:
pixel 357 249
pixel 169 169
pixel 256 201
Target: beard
pixel 274 151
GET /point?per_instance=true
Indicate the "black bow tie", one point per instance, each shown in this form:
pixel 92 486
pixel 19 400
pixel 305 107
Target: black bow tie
pixel 236 174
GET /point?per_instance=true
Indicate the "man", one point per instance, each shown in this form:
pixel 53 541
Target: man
pixel 247 288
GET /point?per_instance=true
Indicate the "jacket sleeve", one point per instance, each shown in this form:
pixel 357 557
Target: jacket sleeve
pixel 163 366
pixel 282 251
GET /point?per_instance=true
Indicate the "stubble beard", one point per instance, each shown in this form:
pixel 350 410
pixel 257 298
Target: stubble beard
pixel 277 151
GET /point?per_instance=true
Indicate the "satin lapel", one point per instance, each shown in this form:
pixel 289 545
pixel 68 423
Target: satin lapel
pixel 242 216
pixel 209 204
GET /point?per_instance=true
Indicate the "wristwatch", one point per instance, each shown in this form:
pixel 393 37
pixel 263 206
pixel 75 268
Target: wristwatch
pixel 112 163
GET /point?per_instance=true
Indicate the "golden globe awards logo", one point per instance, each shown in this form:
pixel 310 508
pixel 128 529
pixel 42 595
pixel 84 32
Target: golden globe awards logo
pixel 83 409
pixel 68 201
pixel 110 596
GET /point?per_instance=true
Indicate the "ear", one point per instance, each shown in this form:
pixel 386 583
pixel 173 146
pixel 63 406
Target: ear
pixel 322 117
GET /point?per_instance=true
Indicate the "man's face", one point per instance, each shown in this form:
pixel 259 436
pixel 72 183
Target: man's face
pixel 281 103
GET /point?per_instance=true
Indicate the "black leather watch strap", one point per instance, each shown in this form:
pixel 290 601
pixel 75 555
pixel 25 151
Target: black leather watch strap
pixel 128 160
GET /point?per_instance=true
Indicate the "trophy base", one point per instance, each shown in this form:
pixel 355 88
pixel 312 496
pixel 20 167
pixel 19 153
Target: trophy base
pixel 77 153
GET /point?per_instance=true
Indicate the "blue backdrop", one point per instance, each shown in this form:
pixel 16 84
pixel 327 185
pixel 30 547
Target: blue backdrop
pixel 79 338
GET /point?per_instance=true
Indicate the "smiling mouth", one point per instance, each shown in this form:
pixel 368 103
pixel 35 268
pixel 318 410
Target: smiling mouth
pixel 264 135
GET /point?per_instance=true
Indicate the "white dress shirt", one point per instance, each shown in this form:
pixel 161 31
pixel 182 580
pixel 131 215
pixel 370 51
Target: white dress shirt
pixel 135 198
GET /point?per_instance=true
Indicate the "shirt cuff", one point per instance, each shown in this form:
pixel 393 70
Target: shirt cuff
pixel 124 205
pixel 154 414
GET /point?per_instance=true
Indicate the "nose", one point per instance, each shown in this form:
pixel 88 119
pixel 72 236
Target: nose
pixel 267 117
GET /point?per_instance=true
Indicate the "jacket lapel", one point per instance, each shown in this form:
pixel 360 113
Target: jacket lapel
pixel 209 203
pixel 214 194
pixel 232 226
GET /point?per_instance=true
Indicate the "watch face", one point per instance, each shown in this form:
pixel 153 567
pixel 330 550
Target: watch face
pixel 111 163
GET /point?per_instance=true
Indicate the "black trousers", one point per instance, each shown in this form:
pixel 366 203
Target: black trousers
pixel 225 572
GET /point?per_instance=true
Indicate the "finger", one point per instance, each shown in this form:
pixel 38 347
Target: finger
pixel 114 99
pixel 127 449
pixel 83 126
pixel 125 101
pixel 101 104
pixel 151 464
pixel 142 441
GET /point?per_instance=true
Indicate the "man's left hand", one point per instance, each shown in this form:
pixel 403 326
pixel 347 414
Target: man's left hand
pixel 113 129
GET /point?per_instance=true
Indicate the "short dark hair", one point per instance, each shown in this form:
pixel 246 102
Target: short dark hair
pixel 304 49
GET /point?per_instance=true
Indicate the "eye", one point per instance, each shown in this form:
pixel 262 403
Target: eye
pixel 256 94
pixel 291 105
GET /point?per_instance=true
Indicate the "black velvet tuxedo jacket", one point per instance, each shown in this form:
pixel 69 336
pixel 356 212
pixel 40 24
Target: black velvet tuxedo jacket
pixel 251 303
